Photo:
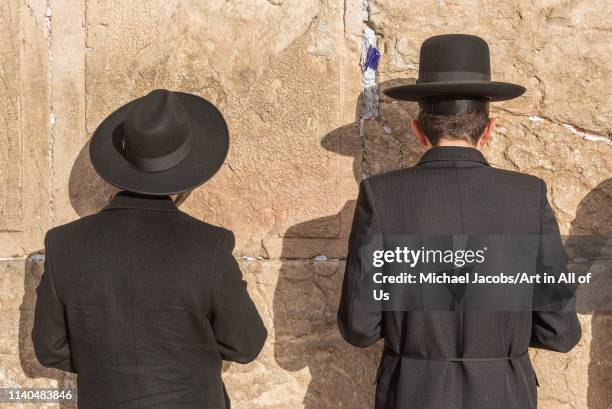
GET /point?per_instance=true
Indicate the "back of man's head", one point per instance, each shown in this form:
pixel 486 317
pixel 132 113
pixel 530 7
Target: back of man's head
pixel 468 126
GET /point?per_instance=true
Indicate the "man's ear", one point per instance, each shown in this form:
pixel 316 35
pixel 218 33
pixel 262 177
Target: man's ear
pixel 416 129
pixel 486 135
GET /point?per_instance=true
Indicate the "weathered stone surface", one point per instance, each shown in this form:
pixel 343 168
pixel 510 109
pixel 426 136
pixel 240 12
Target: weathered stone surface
pixel 24 143
pixel 286 76
pixel 281 89
pixel 67 100
pixel 10 133
pixel 307 363
pixel 526 48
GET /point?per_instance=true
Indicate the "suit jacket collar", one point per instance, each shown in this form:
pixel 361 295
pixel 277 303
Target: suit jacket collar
pixel 453 153
pixel 131 200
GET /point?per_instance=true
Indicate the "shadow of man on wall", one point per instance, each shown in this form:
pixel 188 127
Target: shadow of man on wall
pixel 590 249
pixel 307 340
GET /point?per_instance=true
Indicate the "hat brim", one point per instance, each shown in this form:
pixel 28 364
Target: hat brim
pixel 210 146
pixel 493 90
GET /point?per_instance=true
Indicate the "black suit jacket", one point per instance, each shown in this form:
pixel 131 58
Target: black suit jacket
pixel 453 190
pixel 144 302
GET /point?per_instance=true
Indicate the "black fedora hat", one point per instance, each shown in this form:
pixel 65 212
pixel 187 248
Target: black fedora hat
pixel 455 65
pixel 163 143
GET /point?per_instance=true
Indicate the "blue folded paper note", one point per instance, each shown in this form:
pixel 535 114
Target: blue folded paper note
pixel 372 58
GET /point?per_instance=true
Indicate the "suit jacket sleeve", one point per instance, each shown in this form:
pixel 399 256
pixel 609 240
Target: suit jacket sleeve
pixel 238 328
pixel 50 334
pixel 555 324
pixel 359 317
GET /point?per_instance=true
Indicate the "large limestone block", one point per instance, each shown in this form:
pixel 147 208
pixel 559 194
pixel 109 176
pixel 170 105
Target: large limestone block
pixel 67 50
pixel 10 133
pixel 277 70
pixel 24 113
pixel 305 363
pixel 559 50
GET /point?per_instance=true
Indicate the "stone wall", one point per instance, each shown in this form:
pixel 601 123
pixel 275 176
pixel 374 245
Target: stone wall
pixel 286 75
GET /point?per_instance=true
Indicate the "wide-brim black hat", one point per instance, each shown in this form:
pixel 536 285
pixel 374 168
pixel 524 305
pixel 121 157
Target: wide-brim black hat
pixel 455 65
pixel 160 144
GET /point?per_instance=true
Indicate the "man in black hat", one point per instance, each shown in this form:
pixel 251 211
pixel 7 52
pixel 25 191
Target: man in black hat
pixel 142 301
pixel 449 357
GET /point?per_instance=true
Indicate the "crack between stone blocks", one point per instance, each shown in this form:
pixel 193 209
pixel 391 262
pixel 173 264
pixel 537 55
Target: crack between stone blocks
pixel 344 7
pixel 52 117
pixel 364 168
pixel 370 109
pixel 14 258
pixel 87 49
pixel 369 93
pixel 329 260
pixel 586 134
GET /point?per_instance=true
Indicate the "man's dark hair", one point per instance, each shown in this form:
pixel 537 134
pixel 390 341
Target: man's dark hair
pixel 468 126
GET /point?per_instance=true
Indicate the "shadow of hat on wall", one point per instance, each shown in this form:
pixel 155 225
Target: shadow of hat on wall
pixel 87 191
pixel 350 141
